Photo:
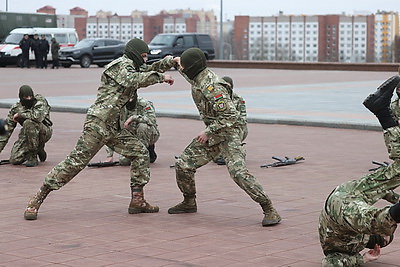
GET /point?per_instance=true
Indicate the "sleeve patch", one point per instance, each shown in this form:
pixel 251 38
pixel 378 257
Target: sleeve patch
pixel 210 88
pixel 147 108
pixel 221 105
pixel 217 97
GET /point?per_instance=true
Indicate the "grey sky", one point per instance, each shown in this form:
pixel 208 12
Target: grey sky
pixel 230 7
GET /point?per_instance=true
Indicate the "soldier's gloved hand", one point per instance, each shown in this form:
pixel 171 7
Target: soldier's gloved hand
pixel 2 127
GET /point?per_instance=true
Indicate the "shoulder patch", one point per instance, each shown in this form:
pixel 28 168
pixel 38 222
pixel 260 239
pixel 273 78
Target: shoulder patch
pixel 147 108
pixel 218 97
pixel 210 88
pixel 221 105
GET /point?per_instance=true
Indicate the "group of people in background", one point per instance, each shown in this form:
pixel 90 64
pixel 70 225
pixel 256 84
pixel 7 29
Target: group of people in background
pixel 40 47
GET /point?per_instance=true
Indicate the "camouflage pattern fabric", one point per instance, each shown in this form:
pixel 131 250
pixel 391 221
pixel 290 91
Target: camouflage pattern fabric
pixel 349 217
pixel 119 82
pixel 36 129
pixel 240 105
pixel 144 125
pixel 220 116
pixel 395 107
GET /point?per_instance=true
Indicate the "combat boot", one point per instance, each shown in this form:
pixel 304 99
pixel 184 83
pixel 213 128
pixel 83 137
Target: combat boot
pixel 381 98
pixel 41 153
pixel 138 203
pixel 35 202
pixel 271 216
pixel 188 205
pixel 152 153
pixel 31 160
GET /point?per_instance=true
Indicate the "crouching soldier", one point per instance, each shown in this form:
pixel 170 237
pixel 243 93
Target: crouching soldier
pixel 32 112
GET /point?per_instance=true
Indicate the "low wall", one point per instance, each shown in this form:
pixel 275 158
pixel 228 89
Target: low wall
pixel 246 64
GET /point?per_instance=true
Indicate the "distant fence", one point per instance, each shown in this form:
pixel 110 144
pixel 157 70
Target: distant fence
pixel 246 64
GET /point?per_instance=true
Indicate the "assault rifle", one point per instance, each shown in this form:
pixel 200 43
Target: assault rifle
pixel 380 164
pixel 103 164
pixel 283 161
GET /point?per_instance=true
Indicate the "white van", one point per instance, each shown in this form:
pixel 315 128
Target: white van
pixel 11 53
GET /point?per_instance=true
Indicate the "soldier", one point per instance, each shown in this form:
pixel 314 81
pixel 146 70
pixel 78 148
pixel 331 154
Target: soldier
pixel 240 105
pixel 349 221
pixel 139 117
pixel 221 135
pixel 43 51
pixel 35 49
pixel 25 44
pixel 119 82
pixel 55 47
pixel 32 112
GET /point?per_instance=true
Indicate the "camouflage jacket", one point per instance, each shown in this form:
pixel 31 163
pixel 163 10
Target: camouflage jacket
pixel 394 106
pixel 215 106
pixel 337 236
pixel 240 105
pixel 40 112
pixel 144 112
pixel 119 82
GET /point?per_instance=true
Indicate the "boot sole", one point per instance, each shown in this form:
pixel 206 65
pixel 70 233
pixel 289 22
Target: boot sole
pixel 30 216
pixel 270 223
pixel 137 211
pixel 182 211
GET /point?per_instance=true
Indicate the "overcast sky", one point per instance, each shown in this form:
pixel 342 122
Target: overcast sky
pixel 230 7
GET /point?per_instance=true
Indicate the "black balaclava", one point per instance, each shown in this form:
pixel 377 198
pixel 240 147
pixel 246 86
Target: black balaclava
pixel 24 91
pixel 379 240
pixel 193 62
pixel 131 104
pixel 134 49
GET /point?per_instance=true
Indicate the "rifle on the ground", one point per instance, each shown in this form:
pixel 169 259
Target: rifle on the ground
pixel 380 164
pixel 283 161
pixel 4 162
pixel 103 164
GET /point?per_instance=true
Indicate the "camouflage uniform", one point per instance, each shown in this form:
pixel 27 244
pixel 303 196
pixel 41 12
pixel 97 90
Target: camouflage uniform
pixel 119 82
pixel 221 118
pixel 36 129
pixel 240 105
pixel 144 125
pixel 349 217
pixel 395 108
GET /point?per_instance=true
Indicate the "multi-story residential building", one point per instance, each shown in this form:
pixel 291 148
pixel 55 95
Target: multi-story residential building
pixel 386 30
pixel 118 27
pixel 327 38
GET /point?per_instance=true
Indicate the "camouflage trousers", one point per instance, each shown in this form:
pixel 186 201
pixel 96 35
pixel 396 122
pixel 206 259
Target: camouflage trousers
pixel 32 135
pixel 348 218
pixel 95 135
pixel 196 155
pixel 148 135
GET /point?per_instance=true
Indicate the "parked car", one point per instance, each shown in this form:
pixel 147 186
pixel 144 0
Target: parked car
pixel 174 44
pixel 11 53
pixel 99 51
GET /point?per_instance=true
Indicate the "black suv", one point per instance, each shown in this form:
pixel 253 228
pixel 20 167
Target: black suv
pixel 100 51
pixel 174 44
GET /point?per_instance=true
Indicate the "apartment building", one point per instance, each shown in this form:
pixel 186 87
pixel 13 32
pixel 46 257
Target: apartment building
pixel 386 31
pixel 325 38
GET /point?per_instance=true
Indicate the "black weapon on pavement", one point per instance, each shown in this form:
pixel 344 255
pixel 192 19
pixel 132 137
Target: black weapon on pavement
pixel 4 161
pixel 380 164
pixel 283 161
pixel 103 164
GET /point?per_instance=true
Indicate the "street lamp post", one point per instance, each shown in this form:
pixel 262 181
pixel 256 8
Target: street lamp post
pixel 221 36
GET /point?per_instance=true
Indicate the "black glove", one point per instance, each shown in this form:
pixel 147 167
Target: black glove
pixel 378 240
pixel 2 127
